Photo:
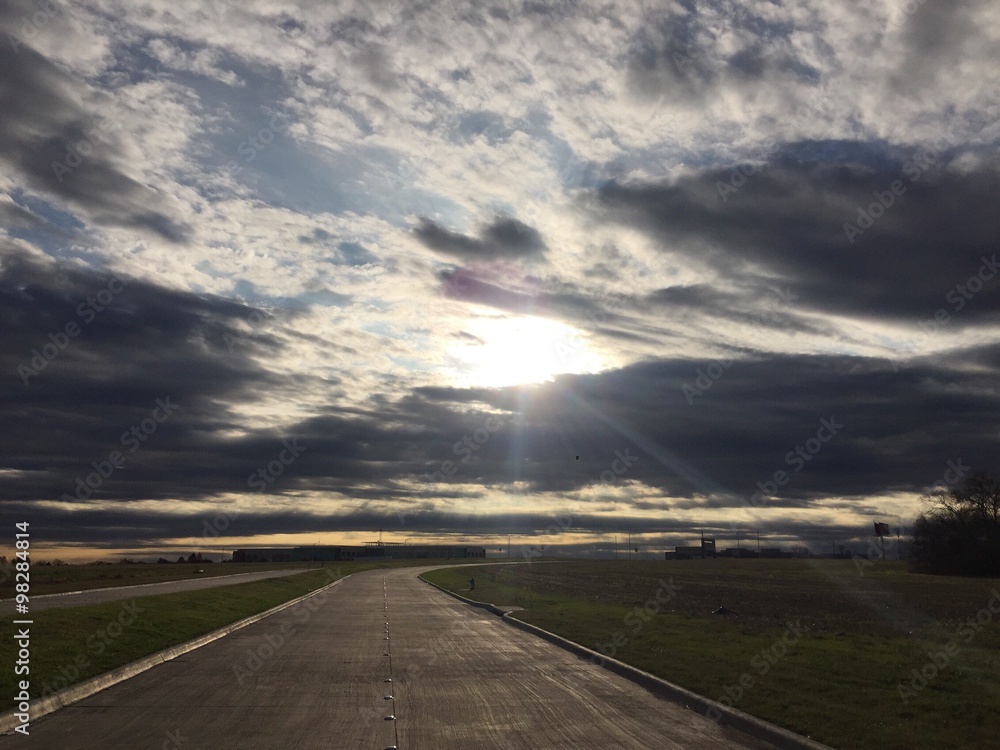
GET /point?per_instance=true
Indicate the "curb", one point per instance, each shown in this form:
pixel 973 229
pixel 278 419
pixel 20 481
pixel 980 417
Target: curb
pixel 43 706
pixel 152 583
pixel 732 717
pixel 493 609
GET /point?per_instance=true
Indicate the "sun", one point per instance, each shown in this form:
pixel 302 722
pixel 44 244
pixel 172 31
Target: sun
pixel 502 351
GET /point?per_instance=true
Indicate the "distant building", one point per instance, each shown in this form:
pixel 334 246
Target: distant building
pixel 738 552
pixel 774 552
pixel 347 553
pixel 705 549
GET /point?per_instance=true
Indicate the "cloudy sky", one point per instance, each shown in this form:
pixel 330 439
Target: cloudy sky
pixel 286 273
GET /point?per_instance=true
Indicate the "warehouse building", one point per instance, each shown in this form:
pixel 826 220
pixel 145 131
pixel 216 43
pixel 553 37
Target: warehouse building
pixel 369 551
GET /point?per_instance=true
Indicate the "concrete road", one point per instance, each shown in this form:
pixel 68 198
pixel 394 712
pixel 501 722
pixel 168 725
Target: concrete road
pixel 315 676
pixel 116 593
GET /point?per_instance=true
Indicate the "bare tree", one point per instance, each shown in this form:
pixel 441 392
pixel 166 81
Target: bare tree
pixel 960 533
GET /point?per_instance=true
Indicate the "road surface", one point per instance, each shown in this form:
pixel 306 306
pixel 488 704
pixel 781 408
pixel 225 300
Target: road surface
pixel 116 593
pixel 314 676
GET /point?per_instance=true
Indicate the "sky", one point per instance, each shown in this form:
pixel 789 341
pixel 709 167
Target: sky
pixel 284 273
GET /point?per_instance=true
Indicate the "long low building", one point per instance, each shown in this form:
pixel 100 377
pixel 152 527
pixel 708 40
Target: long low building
pixel 347 553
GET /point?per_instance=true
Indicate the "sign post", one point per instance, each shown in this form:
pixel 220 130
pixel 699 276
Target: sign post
pixel 882 531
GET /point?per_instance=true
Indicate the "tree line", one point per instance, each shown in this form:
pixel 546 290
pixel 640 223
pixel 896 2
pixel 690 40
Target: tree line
pixel 960 533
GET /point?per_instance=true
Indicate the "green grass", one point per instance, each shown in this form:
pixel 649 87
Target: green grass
pixel 56 579
pixel 838 683
pixel 70 645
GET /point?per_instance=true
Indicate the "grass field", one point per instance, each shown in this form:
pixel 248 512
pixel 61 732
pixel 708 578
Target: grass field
pixel 820 649
pixel 69 645
pixel 56 579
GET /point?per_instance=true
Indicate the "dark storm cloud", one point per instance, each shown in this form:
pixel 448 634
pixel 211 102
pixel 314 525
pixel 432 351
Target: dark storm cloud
pixel 504 237
pixel 803 223
pixel 405 458
pixel 86 356
pixel 745 426
pixel 54 144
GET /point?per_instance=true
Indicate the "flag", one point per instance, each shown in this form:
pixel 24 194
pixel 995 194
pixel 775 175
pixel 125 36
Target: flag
pixel 881 529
